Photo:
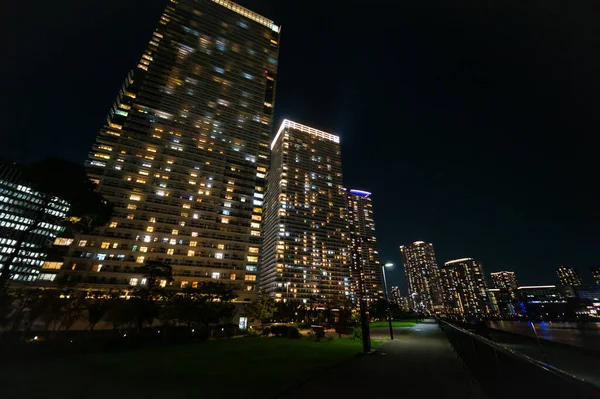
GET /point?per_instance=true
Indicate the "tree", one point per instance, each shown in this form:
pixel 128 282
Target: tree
pixel 96 310
pixel 49 179
pixel 262 308
pixel 153 271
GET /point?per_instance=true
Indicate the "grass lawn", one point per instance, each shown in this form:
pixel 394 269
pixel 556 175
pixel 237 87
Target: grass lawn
pixel 401 323
pixel 254 367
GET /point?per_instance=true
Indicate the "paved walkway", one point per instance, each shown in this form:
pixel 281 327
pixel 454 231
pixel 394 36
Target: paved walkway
pixel 419 362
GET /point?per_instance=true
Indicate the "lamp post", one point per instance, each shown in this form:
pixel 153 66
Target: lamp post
pixel 389 313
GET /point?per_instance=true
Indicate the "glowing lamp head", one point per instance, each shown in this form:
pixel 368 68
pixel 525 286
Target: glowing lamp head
pixel 388 264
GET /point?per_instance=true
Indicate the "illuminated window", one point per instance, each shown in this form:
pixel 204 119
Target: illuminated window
pixel 135 197
pixel 172 241
pixel 253 250
pixel 63 241
pixel 252 259
pixel 170 251
pixel 191 253
pixel 216 275
pixel 184 284
pixel 255 225
pixel 232 276
pixel 105 245
pixel 219 255
pixel 221 246
pixel 82 243
pixel 52 265
pixel 140 259
pixel 255 233
pixel 194 234
pixel 133 281
pixel 150 229
pixel 193 243
pixel 143 249
pixel 250 277
pixel 175 232
pixel 163 283
pixel 224 220
pixel 115 245
pixel 113 224
pixel 131 206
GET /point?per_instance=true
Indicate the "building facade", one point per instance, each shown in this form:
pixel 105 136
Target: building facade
pixel 423 276
pixel 366 270
pixel 184 152
pixel 505 280
pixel 465 289
pixel 568 276
pixel 596 274
pixel 29 223
pixel 306 241
pixel 542 301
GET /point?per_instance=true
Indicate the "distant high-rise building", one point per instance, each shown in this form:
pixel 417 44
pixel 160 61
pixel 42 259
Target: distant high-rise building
pixel 502 301
pixel 30 220
pixel 366 270
pixel 505 280
pixel 422 275
pixel 568 276
pixel 184 153
pixel 306 240
pixel 465 289
pixel 596 273
pixel 395 295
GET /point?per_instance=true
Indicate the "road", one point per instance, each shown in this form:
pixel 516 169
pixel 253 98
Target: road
pixel 419 363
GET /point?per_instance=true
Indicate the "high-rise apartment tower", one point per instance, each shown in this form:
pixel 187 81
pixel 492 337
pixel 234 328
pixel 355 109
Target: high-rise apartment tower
pixel 465 289
pixel 422 275
pixel 366 270
pixel 506 280
pixel 305 254
pixel 568 276
pixel 184 153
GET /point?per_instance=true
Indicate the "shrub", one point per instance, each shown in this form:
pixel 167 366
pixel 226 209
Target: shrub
pixel 357 334
pixel 266 331
pixel 293 332
pixel 279 330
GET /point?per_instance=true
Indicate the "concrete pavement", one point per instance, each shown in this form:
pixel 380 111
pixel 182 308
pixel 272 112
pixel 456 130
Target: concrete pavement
pixel 419 361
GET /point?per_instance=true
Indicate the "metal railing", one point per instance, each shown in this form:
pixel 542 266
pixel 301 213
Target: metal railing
pixel 504 373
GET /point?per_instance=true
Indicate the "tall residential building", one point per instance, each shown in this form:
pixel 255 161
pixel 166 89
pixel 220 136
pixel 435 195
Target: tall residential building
pixel 29 220
pixel 596 274
pixel 184 153
pixel 305 254
pixel 568 276
pixel 366 270
pixel 395 295
pixel 505 280
pixel 422 275
pixel 465 289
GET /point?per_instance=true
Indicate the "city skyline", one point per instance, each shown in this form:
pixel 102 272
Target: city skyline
pixel 482 196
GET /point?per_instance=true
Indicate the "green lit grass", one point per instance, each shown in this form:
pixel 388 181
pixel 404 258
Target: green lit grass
pixel 401 323
pixel 255 367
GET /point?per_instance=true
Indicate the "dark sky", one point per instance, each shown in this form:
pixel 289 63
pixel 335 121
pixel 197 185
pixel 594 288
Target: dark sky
pixel 473 123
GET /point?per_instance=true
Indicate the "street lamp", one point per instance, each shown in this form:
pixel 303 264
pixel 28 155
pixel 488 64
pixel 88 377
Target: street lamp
pixel 389 313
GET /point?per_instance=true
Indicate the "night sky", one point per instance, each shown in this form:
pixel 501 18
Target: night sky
pixel 473 125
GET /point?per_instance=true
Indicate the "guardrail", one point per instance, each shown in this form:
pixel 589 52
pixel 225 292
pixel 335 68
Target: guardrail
pixel 504 373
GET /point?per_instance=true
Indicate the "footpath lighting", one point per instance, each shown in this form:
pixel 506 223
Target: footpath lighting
pixel 387 301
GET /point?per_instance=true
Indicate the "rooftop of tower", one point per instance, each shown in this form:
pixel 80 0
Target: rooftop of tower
pixel 303 128
pixel 248 14
pixel 458 260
